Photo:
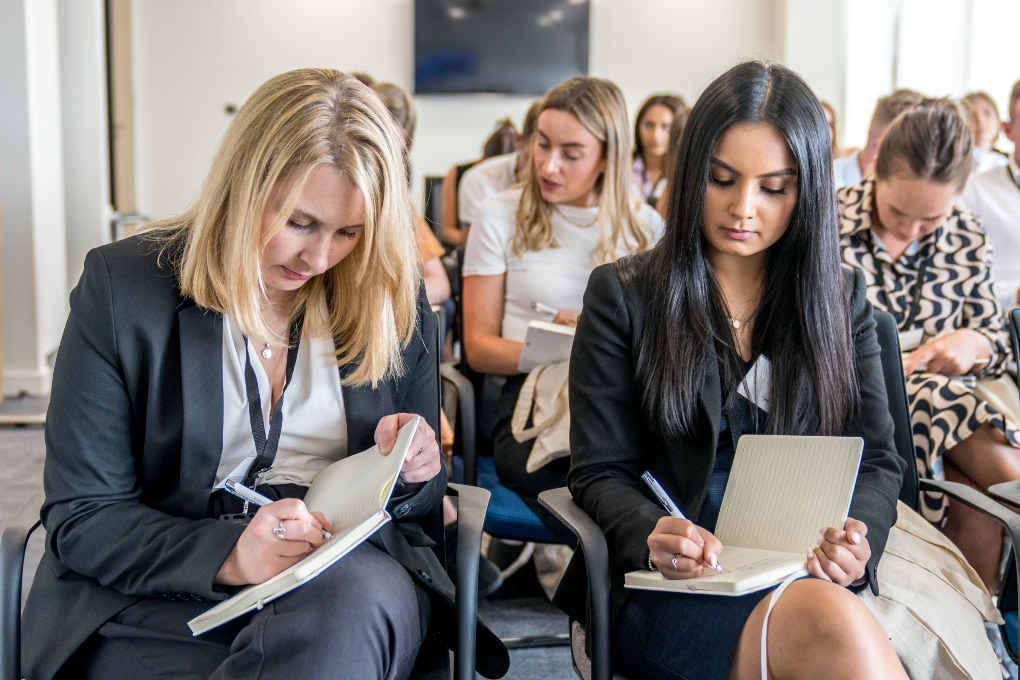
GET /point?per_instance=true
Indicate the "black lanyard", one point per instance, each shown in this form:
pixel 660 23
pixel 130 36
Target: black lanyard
pixel 265 447
pixel 915 295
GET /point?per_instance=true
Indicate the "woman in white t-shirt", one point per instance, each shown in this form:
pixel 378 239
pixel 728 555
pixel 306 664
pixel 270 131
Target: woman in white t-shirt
pixel 535 246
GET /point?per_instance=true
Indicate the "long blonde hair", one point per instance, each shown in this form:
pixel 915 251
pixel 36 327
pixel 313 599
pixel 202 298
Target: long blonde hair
pixel 292 123
pixel 599 106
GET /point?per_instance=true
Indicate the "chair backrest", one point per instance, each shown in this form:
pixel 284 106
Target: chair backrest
pixel 1014 333
pixel 432 204
pixel 899 409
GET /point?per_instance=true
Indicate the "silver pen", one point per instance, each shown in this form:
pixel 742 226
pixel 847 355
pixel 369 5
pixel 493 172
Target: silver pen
pixel 255 498
pixel 670 506
pixel 542 308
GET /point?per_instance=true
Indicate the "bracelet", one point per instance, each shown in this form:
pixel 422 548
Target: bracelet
pixel 651 567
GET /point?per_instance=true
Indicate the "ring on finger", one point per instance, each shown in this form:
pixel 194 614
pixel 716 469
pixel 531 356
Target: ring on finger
pixel 421 450
pixel 675 566
pixel 280 531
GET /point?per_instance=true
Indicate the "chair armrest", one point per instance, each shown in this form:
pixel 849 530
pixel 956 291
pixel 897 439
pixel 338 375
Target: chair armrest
pixel 13 543
pixel 472 504
pixel 592 542
pixel 973 498
pixel 1006 492
pixel 466 442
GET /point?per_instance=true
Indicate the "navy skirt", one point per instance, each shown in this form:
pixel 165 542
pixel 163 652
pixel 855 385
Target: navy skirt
pixel 680 636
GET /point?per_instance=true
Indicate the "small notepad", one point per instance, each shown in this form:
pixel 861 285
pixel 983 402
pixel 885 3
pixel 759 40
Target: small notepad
pixel 545 343
pixel 781 491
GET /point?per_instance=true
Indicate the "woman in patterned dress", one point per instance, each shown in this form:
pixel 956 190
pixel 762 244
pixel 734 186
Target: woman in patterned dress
pixel 928 263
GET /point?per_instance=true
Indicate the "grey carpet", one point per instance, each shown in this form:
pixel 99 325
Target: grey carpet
pixel 22 452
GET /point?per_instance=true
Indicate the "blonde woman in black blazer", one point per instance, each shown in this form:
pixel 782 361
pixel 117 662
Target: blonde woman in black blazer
pixel 747 273
pixel 299 258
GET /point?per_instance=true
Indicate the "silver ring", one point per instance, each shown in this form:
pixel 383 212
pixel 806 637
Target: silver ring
pixel 280 532
pixel 421 450
pixel 675 567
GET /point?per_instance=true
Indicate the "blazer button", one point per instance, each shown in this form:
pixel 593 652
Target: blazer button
pixel 403 510
pixel 424 576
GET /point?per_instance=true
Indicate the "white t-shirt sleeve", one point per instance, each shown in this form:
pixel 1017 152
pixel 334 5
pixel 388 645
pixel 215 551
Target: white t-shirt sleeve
pixel 488 245
pixel 484 179
pixel 470 194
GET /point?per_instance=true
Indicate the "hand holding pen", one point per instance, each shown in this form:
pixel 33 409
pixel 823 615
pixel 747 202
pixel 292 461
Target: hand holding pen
pixel 696 544
pixel 253 497
pixel 564 317
pixel 279 535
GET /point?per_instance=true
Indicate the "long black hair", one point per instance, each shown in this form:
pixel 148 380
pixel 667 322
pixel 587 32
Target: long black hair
pixel 802 323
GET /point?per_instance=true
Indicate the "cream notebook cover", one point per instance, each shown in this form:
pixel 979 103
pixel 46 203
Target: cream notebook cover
pixel 545 343
pixel 352 493
pixel 781 491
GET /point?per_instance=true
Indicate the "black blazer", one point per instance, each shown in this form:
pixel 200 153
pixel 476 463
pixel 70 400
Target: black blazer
pixel 133 440
pixel 611 445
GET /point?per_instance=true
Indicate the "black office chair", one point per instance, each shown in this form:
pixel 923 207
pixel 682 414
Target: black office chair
pixel 1009 493
pixel 591 642
pixel 432 204
pixel 508 517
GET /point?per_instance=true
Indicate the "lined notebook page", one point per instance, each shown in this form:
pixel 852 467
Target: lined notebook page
pixel 783 489
pixel 355 488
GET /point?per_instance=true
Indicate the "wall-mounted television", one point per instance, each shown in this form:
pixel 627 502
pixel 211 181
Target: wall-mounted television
pixel 502 46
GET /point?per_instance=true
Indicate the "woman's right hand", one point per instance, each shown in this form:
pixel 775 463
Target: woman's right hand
pixel 261 553
pixel 954 353
pixel 694 548
pixel 566 317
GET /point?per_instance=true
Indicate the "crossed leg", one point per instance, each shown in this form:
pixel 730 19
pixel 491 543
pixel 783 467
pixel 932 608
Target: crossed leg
pixel 817 629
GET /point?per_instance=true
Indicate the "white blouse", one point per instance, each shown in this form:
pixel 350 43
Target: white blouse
pixel 314 430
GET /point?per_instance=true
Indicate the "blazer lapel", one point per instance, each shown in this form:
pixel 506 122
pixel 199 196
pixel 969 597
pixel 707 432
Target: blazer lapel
pixel 201 340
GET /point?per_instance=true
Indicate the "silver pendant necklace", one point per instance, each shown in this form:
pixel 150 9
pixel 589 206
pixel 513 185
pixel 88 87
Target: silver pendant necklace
pixel 735 322
pixel 267 351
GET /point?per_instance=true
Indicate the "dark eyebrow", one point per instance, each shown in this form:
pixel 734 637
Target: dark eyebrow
pixel 579 145
pixel 785 172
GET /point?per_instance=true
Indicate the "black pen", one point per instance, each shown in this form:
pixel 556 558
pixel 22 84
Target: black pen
pixel 671 508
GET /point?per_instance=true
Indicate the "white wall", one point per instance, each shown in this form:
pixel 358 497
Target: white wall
pixel 32 198
pixel 85 128
pixel 194 56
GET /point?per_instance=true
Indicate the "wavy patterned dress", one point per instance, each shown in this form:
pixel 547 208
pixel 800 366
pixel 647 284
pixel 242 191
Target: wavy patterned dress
pixel 955 291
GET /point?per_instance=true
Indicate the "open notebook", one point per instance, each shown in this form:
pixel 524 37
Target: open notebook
pixel 781 491
pixel 352 493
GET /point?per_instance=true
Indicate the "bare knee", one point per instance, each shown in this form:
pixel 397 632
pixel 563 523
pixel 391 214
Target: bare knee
pixel 817 629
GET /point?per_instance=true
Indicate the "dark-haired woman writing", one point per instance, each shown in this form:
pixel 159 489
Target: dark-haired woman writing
pixel 747 276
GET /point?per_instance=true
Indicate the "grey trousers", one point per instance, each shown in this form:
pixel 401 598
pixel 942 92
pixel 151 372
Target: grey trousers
pixel 364 617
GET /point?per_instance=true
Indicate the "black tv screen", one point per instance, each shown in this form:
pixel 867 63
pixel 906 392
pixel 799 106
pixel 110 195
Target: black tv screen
pixel 503 46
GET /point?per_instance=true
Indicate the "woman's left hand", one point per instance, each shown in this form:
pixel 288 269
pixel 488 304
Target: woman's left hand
pixel 842 554
pixel 424 458
pixel 952 354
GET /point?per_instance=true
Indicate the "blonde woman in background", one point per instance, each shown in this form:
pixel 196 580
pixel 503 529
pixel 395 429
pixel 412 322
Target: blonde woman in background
pixel 985 123
pixel 538 244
